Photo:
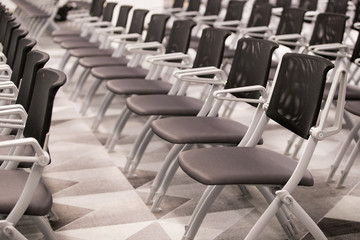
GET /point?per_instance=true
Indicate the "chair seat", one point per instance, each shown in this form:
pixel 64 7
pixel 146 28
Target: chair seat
pixel 91 62
pixel 199 130
pixel 353 107
pixel 167 105
pixel 61 39
pixel 138 86
pixel 229 53
pixel 12 183
pixel 66 32
pixel 114 72
pixel 352 92
pixel 90 52
pixel 78 44
pixel 239 165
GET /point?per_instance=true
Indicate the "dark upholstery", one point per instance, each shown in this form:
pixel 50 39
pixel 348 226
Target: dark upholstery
pixel 138 86
pixel 79 44
pixel 90 62
pixel 14 43
pixel 260 15
pixel 213 7
pixel 353 107
pixel 234 165
pixel 90 52
pixel 73 38
pixel 352 92
pixel 291 21
pixel 193 6
pixel 114 72
pixel 234 10
pixel 308 5
pixel 337 6
pixel 8 34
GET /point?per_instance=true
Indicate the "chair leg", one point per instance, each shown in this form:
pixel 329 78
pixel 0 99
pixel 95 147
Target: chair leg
pixel 101 112
pixel 119 126
pixel 175 150
pixel 89 96
pixel 349 163
pixel 64 60
pixel 199 216
pixel 44 227
pixel 80 84
pixel 290 144
pixel 297 148
pixel 73 69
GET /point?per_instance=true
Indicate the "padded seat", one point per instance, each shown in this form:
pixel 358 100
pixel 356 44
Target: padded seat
pixel 41 202
pixel 352 92
pixel 79 44
pixel 91 62
pixel 229 53
pixel 66 32
pixel 114 72
pixel 138 86
pixel 167 105
pixel 193 130
pixel 240 165
pixel 353 107
pixel 61 39
pixel 90 52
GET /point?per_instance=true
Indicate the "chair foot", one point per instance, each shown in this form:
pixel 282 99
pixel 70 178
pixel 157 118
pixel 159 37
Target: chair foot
pixel 340 183
pixel 330 177
pixel 158 198
pixel 150 197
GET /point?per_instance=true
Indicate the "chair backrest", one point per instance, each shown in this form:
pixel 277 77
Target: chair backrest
pixel 178 4
pixel 123 16
pixel 156 30
pixel 4 20
pixel 211 48
pixel 47 83
pixel 108 11
pixel 291 21
pixel 35 60
pixel 234 10
pixel 92 7
pixel 179 38
pixel 337 6
pixel 137 21
pixel 16 36
pixel 193 5
pixel 260 15
pixel 8 33
pixel 329 28
pixel 308 5
pixel 297 94
pixel 251 65
pixel 283 3
pixel 213 7
pixel 97 8
pixel 25 46
pixel 356 51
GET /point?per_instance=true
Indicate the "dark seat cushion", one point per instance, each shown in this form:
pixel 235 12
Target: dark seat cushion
pixel 353 107
pixel 79 44
pixel 75 38
pixel 12 183
pixel 170 105
pixel 138 86
pixel 239 165
pixel 352 92
pixel 90 52
pixel 199 130
pixel 114 72
pixel 66 32
pixel 91 62
pixel 229 53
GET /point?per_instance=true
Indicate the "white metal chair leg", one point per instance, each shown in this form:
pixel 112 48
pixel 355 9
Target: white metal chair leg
pixel 349 163
pixel 290 144
pixel 64 60
pixel 120 124
pixel 80 84
pixel 44 227
pixel 200 214
pixel 297 148
pixel 101 112
pixel 73 69
pixel 175 150
pixel 89 96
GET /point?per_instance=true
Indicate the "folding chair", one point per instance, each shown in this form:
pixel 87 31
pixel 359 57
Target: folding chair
pixel 294 102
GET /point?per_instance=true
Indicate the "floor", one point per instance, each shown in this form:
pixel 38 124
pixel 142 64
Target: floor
pixel 94 200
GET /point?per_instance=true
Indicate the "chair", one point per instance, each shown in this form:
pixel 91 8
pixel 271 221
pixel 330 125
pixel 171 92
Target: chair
pixel 154 36
pixel 249 69
pixel 208 54
pixel 177 43
pixel 295 108
pixel 23 193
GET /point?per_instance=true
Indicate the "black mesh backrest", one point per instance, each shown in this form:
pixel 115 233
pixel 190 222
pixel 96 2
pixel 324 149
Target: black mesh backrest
pixel 25 46
pixel 283 3
pixel 108 11
pixel 5 19
pixel 297 96
pixel 178 4
pixel 357 13
pixel 16 36
pixel 251 65
pixel 35 60
pixel 156 30
pixel 92 7
pixel 211 48
pixel 47 83
pixel 137 21
pixel 356 50
pixel 123 16
pixel 337 6
pixel 329 28
pixel 179 38
pixel 8 34
pixel 98 8
pixel 213 7
pixel 193 5
pixel 260 15
pixel 308 5
pixel 234 10
pixel 291 21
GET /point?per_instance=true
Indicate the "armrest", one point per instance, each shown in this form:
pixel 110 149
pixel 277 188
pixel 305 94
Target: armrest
pixel 6 68
pixel 163 60
pixel 97 24
pixel 3 58
pixel 73 16
pixel 186 14
pixel 256 31
pixel 233 25
pixel 8 96
pixel 322 131
pixel 172 10
pixel 357 61
pixel 124 37
pixel 193 76
pixel 288 39
pixel 143 48
pixel 206 18
pixel 324 49
pixel 86 19
pixel 221 94
pixel 110 29
pixel 357 25
pixel 17 123
pixel 12 106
